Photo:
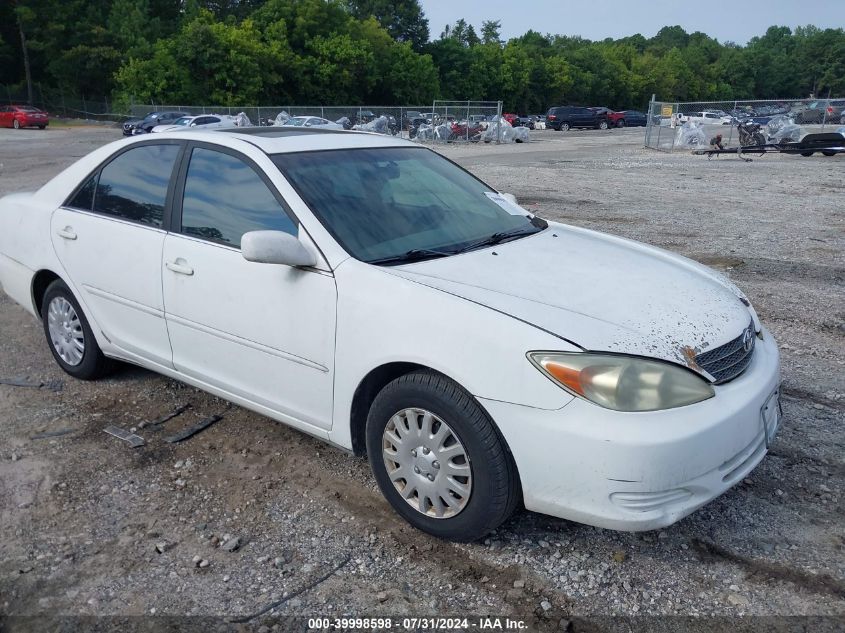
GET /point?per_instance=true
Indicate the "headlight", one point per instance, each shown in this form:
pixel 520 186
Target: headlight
pixel 623 383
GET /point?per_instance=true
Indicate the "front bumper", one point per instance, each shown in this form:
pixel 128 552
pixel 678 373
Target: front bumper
pixel 642 471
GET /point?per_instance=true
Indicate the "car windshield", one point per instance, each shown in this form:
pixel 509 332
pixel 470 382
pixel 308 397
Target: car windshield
pixel 185 120
pixel 388 202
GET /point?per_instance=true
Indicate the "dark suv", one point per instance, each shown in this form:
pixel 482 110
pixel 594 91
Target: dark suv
pixel 566 117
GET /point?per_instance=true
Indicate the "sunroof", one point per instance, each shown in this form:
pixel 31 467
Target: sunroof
pixel 277 132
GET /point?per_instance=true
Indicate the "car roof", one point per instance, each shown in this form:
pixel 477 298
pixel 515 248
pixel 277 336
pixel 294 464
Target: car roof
pixel 281 140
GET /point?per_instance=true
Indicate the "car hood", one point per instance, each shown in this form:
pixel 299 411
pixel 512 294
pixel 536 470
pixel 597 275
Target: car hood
pixel 599 292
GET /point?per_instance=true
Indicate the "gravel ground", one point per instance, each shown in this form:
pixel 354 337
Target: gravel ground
pixel 249 513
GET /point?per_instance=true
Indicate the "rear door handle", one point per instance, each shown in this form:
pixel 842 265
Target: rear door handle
pixel 180 266
pixel 67 233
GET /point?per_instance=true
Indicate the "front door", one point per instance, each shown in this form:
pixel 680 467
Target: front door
pixel 109 239
pixel 262 332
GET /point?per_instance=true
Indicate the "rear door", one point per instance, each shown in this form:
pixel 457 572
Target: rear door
pixel 109 238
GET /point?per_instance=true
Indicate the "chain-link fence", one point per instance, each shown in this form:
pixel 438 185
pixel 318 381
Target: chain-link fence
pixel 399 117
pixel 58 105
pixel 676 125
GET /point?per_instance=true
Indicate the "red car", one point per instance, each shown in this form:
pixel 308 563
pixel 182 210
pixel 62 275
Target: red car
pixel 18 116
pixel 510 118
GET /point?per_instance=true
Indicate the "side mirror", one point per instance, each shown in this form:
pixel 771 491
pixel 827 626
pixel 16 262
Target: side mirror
pixel 276 247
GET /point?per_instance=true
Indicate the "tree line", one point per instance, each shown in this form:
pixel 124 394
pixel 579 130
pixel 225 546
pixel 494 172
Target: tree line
pixel 347 52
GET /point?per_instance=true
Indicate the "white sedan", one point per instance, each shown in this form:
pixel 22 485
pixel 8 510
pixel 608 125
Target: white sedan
pixel 312 121
pixel 207 121
pixel 373 294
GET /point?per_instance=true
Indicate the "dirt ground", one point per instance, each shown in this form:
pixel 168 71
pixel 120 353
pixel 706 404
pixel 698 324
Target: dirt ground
pixel 89 526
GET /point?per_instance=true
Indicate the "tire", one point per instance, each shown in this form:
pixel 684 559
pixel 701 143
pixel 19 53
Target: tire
pixel 16 124
pixel 564 127
pixel 603 125
pixel 41 127
pixel 425 399
pixel 806 154
pixel 91 364
pixel 828 153
pixel 620 123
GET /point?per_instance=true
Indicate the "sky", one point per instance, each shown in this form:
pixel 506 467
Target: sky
pixel 726 20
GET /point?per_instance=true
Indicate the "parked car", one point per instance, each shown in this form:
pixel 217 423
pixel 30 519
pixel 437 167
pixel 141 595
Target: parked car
pixel 511 118
pixel 412 118
pixel 204 120
pixel 312 121
pixel 820 111
pixel 524 121
pixel 562 118
pixel 629 118
pixel 18 116
pixel 152 119
pixel 704 118
pixel 296 273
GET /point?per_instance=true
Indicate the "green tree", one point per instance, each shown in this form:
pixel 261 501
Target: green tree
pixel 403 19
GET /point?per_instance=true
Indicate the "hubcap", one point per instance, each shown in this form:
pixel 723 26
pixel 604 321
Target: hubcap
pixel 65 331
pixel 427 463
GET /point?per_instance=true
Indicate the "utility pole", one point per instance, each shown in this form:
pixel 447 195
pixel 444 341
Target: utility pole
pixel 25 51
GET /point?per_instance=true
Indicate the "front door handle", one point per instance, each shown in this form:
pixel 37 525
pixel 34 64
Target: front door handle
pixel 180 266
pixel 67 233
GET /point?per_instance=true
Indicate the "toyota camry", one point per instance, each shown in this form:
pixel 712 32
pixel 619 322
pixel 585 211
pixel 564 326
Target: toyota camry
pixel 371 293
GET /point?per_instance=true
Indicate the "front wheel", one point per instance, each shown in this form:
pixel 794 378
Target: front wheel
pixel 69 335
pixel 603 125
pixel 41 127
pixel 16 124
pixel 438 458
pixel 828 152
pixel 620 123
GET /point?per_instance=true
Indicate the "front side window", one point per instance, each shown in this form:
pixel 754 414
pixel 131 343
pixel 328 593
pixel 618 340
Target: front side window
pixel 225 198
pixel 134 185
pixel 382 203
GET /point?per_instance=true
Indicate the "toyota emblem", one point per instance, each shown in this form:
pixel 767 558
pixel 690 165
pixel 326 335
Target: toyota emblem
pixel 748 340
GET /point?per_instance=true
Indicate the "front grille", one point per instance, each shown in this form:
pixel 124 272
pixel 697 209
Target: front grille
pixel 729 360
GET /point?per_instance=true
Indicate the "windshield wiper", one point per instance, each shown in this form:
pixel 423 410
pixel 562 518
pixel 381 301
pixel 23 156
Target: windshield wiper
pixel 413 255
pixel 504 236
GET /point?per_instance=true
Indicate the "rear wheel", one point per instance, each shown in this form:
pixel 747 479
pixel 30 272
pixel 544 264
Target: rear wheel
pixel 806 153
pixel 603 125
pixel 69 335
pixel 16 124
pixel 438 458
pixel 564 127
pixel 41 127
pixel 620 123
pixel 828 153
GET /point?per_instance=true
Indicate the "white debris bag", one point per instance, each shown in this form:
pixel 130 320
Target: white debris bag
pixel 378 125
pixel 242 120
pixel 442 132
pixel 499 130
pixel 281 118
pixel 425 132
pixel 690 135
pixel 777 123
pixel 789 133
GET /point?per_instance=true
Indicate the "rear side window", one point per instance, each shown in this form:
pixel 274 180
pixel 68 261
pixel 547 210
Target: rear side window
pixel 134 185
pixel 225 198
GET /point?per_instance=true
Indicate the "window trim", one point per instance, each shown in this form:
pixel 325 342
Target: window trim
pixel 95 173
pixel 175 221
